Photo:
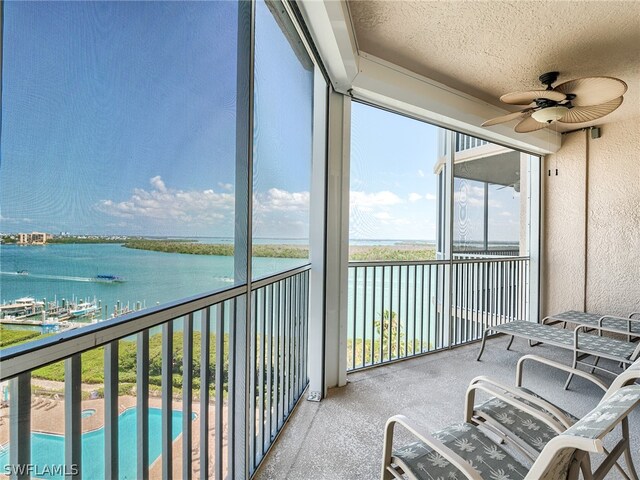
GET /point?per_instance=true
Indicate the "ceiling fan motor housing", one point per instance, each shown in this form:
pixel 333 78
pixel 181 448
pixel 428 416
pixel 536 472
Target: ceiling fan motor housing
pixel 549 78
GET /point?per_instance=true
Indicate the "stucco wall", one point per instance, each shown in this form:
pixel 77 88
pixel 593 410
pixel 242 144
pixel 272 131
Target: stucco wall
pixel 612 220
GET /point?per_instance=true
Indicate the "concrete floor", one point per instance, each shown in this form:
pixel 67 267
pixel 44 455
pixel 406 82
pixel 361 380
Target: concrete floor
pixel 341 437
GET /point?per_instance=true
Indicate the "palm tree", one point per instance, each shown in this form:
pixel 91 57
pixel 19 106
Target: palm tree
pixel 389 328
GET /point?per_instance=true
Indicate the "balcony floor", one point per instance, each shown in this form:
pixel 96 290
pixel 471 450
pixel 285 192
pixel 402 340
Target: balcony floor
pixel 341 437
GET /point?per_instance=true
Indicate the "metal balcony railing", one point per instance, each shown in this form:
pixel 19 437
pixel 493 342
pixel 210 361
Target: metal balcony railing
pixel 402 309
pixel 234 387
pixel 464 254
pixel 467 142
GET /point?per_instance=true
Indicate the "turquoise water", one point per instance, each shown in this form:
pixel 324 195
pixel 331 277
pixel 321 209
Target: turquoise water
pixel 48 449
pixel 152 278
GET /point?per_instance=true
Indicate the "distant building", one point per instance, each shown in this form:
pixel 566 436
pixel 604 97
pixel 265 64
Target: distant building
pixel 33 238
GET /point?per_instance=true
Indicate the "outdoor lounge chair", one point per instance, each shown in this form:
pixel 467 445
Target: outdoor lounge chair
pixel 627 324
pixel 581 343
pixel 530 427
pixel 463 451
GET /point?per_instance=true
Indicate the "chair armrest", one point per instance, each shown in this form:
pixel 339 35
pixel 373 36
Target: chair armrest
pixel 602 329
pixel 559 366
pixel 420 433
pixel 633 314
pixel 554 418
pixel 616 317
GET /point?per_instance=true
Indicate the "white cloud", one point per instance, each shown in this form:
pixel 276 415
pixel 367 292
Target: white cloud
pixel 276 200
pixel 505 214
pixel 383 216
pixel 158 184
pixel 414 197
pixel 465 198
pixel 367 202
pixel 226 186
pixel 279 213
pixel 166 204
pixel 420 173
pixel 473 196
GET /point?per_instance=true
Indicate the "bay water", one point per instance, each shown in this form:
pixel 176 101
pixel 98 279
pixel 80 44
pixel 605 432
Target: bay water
pixel 68 271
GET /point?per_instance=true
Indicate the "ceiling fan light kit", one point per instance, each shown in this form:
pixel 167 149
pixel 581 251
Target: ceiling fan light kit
pixel 576 101
pixel 550 114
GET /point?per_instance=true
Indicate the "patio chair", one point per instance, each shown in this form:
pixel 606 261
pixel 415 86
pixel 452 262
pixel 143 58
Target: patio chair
pixel 630 323
pixel 463 451
pixel 529 426
pixel 581 342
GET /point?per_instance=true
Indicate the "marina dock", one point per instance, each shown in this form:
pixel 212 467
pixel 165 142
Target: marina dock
pixel 60 316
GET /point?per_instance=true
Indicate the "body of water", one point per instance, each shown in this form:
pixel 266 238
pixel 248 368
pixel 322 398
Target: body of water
pixel 47 450
pixel 58 271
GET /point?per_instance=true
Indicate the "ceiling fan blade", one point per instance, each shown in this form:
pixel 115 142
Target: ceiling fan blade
pixel 529 125
pixel 506 118
pixel 525 98
pixel 591 91
pixel 586 114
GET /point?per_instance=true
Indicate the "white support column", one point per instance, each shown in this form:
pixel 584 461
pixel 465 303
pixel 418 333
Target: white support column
pixel 317 240
pixel 536 199
pixel 449 217
pixel 337 243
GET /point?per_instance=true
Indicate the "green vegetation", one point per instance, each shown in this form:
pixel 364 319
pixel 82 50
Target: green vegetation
pixel 10 338
pixel 359 253
pixel 225 250
pixel 93 364
pixel 391 252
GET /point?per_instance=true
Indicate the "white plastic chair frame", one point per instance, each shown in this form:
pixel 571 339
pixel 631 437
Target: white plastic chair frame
pixel 540 469
pixel 580 353
pixel 555 419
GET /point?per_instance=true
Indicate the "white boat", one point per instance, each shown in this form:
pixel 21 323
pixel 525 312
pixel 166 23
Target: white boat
pixel 84 308
pixel 25 301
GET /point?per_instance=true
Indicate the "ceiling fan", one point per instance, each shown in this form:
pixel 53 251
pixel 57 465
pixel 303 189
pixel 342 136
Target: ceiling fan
pixel 576 101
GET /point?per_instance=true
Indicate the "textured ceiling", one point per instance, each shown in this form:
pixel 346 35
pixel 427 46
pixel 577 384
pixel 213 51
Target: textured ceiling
pixel 488 48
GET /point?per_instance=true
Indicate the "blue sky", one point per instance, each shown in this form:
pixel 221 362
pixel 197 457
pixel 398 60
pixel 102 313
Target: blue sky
pixel 393 184
pixel 120 118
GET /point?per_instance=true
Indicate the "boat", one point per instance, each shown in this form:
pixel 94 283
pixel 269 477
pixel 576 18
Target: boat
pixel 22 272
pixel 82 309
pixel 109 278
pixel 25 301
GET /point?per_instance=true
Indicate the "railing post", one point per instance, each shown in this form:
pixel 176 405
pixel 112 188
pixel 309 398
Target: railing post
pixel 142 404
pixel 204 394
pixel 187 395
pixel 240 392
pixel 111 410
pixel 72 418
pixel 20 426
pixel 167 400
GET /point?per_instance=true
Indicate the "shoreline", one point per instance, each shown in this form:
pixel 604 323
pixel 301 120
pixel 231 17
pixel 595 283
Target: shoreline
pixel 399 251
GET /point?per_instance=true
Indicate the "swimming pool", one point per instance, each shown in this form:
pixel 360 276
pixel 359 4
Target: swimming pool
pixel 47 449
